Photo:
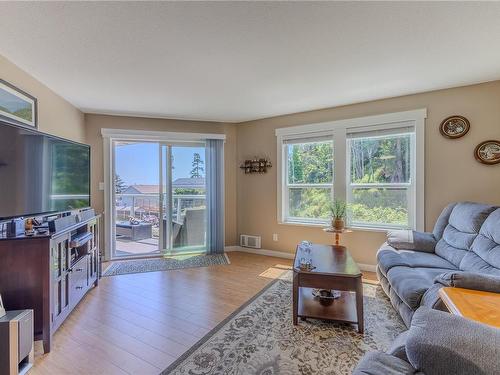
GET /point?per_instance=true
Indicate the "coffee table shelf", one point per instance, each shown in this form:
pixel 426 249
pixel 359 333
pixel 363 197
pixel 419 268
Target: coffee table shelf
pixel 342 309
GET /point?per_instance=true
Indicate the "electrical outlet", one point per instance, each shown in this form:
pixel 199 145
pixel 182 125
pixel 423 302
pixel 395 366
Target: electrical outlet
pixel 101 185
pixel 275 237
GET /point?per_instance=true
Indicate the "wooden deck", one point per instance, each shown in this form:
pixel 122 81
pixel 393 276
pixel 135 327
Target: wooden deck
pixel 126 247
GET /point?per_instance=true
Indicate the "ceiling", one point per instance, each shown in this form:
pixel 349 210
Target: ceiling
pixel 239 61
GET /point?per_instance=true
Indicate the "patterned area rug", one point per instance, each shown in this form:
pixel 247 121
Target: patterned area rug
pixel 165 264
pixel 260 338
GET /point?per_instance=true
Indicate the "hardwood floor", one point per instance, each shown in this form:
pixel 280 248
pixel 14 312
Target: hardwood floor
pixel 140 323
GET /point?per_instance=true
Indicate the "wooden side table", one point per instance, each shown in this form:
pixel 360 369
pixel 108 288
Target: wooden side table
pixel 483 307
pixel 337 233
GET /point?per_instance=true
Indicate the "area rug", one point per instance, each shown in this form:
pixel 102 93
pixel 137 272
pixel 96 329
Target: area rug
pixel 165 264
pixel 259 338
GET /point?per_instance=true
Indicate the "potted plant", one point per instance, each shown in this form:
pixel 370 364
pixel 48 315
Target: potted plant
pixel 338 209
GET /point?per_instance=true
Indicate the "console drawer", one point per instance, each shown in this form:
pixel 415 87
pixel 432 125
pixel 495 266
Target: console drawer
pixel 78 281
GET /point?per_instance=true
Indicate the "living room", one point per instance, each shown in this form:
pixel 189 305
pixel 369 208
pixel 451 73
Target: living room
pixel 250 187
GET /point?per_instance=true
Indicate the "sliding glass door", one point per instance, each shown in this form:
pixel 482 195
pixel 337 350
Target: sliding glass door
pixel 137 199
pixel 159 192
pixel 184 198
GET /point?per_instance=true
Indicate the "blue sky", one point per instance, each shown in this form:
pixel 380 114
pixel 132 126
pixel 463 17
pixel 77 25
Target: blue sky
pixel 138 163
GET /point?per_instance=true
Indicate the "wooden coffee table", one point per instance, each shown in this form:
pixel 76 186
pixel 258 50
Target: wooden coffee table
pixel 335 269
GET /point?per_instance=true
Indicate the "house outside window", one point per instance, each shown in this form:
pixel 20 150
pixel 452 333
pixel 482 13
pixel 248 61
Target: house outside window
pixel 373 163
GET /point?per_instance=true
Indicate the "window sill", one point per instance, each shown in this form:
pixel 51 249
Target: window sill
pixel 326 224
pixel 370 229
pixel 375 229
pixel 304 224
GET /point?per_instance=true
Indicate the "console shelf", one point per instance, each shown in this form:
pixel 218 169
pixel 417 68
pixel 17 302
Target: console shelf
pixel 46 274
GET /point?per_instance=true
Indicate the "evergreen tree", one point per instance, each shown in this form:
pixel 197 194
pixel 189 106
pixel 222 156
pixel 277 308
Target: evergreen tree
pixel 198 169
pixel 119 185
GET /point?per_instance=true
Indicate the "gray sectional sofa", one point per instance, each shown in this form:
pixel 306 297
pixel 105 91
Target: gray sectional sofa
pixel 438 343
pixel 413 266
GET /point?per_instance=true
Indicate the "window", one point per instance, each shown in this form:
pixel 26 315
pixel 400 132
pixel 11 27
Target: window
pixel 374 163
pixel 380 182
pixel 309 182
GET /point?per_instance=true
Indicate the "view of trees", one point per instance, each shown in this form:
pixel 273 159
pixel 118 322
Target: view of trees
pixel 381 160
pixel 120 185
pixel 376 163
pixel 312 164
pixel 198 169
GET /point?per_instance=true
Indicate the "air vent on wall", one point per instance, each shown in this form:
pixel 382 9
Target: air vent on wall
pixel 250 241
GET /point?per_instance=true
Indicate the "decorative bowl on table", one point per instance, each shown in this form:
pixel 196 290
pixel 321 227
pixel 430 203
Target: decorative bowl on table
pixel 325 296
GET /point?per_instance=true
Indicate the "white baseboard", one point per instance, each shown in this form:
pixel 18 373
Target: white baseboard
pixel 281 254
pixel 367 267
pixel 269 253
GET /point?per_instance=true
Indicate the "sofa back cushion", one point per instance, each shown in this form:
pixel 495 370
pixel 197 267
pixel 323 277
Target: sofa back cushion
pixel 464 223
pixel 442 221
pixel 484 256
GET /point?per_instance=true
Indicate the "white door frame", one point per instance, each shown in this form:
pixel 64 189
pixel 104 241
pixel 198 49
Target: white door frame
pixel 109 138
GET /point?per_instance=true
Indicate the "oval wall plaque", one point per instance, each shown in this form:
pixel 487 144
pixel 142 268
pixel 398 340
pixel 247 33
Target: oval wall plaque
pixel 454 127
pixel 488 152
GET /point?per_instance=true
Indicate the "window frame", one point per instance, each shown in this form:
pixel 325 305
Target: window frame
pixel 339 130
pixel 316 138
pixel 409 186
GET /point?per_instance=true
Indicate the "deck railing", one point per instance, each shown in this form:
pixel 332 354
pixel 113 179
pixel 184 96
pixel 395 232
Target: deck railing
pixel 147 205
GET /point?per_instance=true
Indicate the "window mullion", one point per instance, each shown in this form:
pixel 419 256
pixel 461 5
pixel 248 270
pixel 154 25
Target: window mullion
pixel 305 186
pixel 339 163
pixel 375 185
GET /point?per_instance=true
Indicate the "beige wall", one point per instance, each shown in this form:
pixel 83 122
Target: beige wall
pixel 451 172
pixel 94 124
pixel 55 115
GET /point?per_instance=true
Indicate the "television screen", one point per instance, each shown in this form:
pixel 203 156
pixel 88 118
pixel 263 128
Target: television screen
pixel 40 173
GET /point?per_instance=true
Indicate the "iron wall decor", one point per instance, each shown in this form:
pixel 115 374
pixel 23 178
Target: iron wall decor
pixel 454 127
pixel 256 165
pixel 16 106
pixel 488 152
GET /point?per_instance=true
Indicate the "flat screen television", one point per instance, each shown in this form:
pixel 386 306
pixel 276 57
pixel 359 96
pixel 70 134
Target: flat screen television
pixel 40 173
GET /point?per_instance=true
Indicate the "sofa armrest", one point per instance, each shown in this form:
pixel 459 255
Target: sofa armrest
pixel 469 280
pixel 411 240
pixel 379 363
pixel 443 343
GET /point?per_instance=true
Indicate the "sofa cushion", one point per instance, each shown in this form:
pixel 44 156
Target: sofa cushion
pixel 410 284
pixel 388 257
pixel 485 254
pixel 464 224
pixel 442 221
pixel 468 217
